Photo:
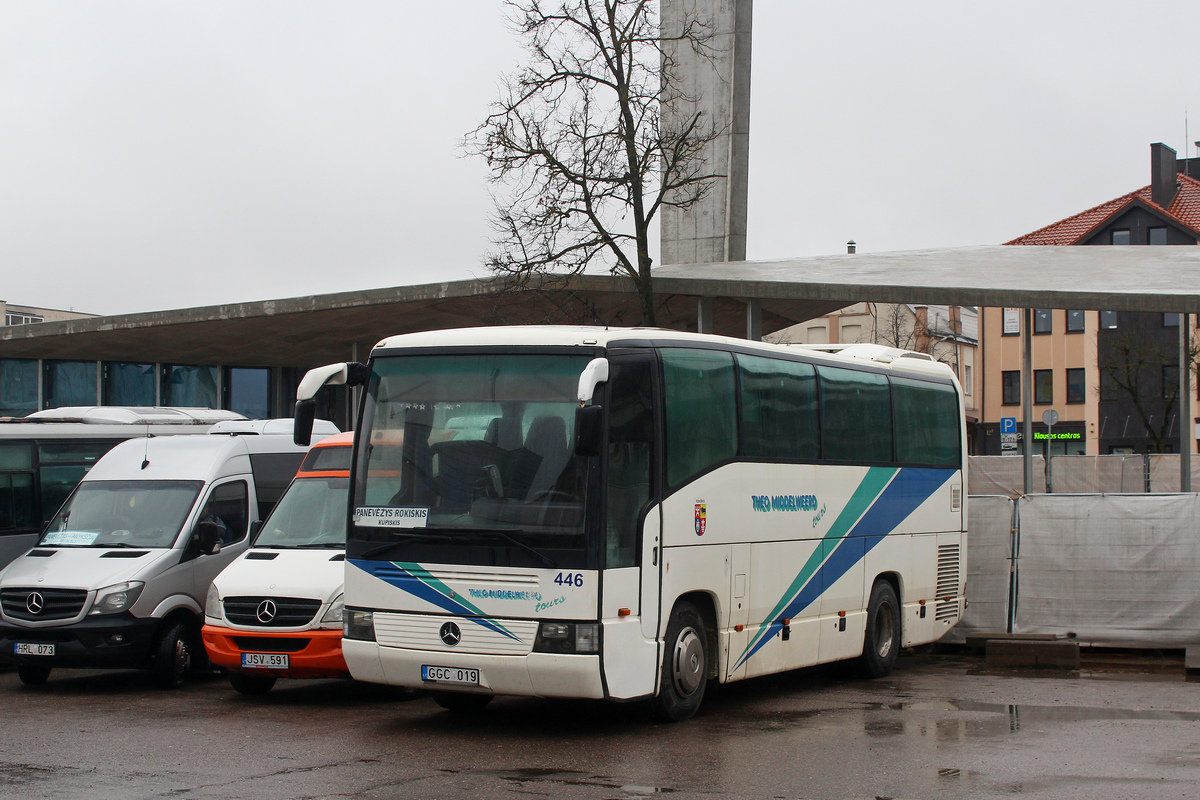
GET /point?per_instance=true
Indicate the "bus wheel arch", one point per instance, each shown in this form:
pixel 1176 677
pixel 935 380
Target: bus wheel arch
pixel 688 655
pixel 883 635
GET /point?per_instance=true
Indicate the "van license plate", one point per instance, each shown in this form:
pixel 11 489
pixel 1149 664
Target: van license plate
pixel 265 660
pixel 465 677
pixel 32 649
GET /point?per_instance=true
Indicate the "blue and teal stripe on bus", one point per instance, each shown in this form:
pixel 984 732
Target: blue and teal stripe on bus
pixel 883 499
pixel 420 583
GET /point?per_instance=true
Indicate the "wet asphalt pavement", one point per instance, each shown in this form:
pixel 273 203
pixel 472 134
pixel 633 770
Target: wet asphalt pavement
pixel 939 727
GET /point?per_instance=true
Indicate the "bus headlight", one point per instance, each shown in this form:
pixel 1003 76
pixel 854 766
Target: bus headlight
pixel 358 624
pixel 116 598
pixel 334 614
pixel 567 637
pixel 212 603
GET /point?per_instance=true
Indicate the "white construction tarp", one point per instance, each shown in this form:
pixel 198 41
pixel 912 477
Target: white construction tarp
pixel 989 537
pixel 1113 570
pixel 1003 475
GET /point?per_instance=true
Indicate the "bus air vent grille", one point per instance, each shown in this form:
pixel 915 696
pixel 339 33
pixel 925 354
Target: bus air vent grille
pixel 948 571
pixel 956 498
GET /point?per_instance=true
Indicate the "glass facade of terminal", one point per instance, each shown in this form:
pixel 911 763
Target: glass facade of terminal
pixel 29 385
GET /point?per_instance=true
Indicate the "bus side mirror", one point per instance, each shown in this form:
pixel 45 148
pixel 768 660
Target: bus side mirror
pixel 208 534
pixel 589 431
pixel 302 425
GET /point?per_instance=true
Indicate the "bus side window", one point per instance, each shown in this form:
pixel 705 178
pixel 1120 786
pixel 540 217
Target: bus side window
pixel 630 441
pixel 926 435
pixel 856 415
pixel 17 512
pixel 779 409
pixel 701 411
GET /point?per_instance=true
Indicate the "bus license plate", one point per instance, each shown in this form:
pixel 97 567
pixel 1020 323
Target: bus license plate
pixel 265 660
pixel 32 649
pixel 465 677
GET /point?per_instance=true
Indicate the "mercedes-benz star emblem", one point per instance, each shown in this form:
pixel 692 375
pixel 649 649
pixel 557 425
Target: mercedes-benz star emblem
pixel 450 634
pixel 35 602
pixel 266 611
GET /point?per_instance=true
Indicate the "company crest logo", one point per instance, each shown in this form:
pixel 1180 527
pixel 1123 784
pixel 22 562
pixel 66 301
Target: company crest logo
pixel 701 518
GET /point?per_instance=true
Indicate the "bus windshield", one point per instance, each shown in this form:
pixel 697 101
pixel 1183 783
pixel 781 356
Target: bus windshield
pixel 122 514
pixel 470 459
pixel 311 513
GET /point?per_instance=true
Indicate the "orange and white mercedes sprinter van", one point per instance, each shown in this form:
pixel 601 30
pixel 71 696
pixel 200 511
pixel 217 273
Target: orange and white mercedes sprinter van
pixel 276 612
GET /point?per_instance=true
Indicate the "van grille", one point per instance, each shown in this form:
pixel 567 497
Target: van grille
pixel 271 612
pixel 47 605
pixel 948 571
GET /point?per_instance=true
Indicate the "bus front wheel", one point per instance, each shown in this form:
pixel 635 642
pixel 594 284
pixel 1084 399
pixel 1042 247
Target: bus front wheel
pixel 462 702
pixel 685 665
pixel 881 644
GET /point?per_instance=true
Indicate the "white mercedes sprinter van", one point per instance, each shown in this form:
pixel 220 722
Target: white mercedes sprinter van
pixel 118 579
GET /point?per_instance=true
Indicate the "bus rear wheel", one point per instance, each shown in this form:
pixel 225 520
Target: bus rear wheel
pixel 881 644
pixel 685 666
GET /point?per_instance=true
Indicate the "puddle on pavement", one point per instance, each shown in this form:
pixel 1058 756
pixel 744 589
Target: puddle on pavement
pixel 569 777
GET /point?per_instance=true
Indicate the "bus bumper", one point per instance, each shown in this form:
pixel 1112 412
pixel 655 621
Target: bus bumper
pixel 532 675
pixel 311 654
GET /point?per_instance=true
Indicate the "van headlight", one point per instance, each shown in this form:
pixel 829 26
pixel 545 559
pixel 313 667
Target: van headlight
pixel 334 614
pixel 212 603
pixel 116 598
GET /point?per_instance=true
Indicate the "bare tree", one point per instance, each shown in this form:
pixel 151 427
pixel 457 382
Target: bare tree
pixel 579 146
pixel 1132 368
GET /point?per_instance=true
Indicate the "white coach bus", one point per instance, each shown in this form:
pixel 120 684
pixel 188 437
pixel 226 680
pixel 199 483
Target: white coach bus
pixel 631 513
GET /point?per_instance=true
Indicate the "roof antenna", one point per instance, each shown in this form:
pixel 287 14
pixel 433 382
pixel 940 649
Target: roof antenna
pixel 146 451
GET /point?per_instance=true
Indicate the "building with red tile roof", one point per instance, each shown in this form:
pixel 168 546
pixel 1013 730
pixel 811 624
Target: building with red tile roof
pixel 1112 377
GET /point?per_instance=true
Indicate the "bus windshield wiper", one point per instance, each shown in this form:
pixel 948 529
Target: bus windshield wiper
pixel 400 538
pixel 508 537
pixel 465 534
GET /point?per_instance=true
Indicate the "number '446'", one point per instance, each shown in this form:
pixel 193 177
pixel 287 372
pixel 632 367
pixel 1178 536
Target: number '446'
pixel 569 579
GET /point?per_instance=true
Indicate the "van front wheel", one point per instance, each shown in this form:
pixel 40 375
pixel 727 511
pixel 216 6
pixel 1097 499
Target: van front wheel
pixel 173 657
pixel 33 674
pixel 251 684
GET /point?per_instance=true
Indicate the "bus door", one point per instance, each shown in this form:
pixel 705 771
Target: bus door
pixel 632 529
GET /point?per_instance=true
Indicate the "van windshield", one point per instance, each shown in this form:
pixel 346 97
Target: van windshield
pixel 122 514
pixel 311 513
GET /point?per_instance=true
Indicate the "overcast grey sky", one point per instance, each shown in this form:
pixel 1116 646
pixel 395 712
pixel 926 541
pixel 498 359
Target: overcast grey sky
pixel 168 154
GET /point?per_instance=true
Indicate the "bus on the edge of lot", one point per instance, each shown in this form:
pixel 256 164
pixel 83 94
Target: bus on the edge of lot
pixel 630 513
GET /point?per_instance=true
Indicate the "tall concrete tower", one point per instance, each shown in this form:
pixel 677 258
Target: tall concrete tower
pixel 713 229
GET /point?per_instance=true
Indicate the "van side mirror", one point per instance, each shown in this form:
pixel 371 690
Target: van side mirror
pixel 208 535
pixel 302 425
pixel 589 430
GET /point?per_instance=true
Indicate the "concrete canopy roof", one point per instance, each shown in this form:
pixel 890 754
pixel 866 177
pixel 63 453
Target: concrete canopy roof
pixel 1098 278
pixel 307 331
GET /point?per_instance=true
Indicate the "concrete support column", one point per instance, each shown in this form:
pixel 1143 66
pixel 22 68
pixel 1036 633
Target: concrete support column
pixel 704 315
pixel 1186 426
pixel 754 320
pixel 1027 395
pixel 716 86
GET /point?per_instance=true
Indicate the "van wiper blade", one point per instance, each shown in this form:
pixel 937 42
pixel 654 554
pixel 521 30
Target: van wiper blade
pixel 113 544
pixel 321 546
